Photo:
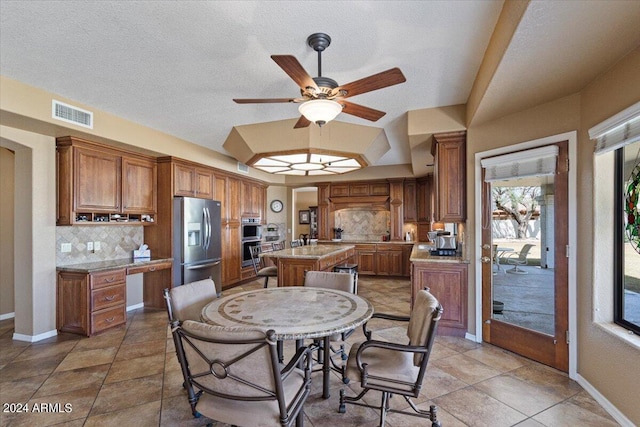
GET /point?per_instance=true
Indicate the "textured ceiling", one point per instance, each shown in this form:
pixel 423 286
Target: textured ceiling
pixel 175 66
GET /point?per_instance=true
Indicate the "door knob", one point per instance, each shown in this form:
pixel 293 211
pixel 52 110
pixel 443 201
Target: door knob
pixel 486 246
pixel 485 260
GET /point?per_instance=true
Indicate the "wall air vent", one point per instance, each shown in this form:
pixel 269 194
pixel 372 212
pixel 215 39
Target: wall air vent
pixel 70 114
pixel 243 168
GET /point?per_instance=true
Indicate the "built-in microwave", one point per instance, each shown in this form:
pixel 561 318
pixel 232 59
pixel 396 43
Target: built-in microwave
pixel 251 229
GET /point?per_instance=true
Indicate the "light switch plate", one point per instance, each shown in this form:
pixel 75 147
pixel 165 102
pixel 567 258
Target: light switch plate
pixel 90 246
pixel 96 246
pixel 65 247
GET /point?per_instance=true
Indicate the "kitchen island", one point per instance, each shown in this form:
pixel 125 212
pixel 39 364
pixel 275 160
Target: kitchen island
pixel 294 262
pixel 446 278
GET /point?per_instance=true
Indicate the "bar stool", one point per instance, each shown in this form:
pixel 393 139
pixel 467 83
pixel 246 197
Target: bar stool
pixel 351 269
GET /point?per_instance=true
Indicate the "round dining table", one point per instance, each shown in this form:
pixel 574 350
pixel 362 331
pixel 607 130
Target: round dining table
pixel 294 313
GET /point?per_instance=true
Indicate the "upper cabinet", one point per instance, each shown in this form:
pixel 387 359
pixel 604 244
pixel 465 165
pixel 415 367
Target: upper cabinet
pixel 449 151
pixel 99 184
pixel 252 195
pixel 410 214
pixel 192 181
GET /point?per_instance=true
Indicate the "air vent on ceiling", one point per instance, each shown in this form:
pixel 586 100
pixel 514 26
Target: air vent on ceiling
pixel 70 114
pixel 243 168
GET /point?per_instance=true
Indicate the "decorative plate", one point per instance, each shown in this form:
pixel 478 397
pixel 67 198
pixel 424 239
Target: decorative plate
pixel 632 208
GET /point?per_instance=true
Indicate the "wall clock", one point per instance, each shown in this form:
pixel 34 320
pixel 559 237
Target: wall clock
pixel 277 206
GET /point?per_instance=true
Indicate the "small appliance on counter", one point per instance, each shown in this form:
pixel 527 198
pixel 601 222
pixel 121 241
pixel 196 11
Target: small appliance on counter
pixel 446 245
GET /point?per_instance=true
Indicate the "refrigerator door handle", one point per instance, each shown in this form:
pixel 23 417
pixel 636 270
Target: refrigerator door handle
pixel 205 224
pixel 202 266
pixel 208 228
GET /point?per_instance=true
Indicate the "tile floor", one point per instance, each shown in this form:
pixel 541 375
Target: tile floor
pixel 130 376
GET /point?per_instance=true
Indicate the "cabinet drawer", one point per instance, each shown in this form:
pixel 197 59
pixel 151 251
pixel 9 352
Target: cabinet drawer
pixel 329 261
pixel 108 318
pixel 149 267
pixel 108 278
pixel 388 247
pixel 107 297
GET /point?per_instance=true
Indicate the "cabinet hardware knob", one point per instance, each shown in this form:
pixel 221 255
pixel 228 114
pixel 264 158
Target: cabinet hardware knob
pixel 152 269
pixel 111 298
pixel 110 319
pixel 110 279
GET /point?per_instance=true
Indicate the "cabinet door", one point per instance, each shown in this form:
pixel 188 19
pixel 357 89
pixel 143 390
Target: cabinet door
pixel 366 262
pixel 324 219
pixel 448 283
pixel 97 181
pixel 359 190
pixel 339 190
pixel 203 183
pixel 450 177
pixel 258 197
pixel 220 195
pixel 423 199
pixel 409 201
pixel 139 186
pixel 379 189
pixel 231 257
pixel 233 196
pixel 389 263
pixel 184 181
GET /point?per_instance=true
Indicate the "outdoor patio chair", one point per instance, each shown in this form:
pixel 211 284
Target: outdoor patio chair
pixel 519 259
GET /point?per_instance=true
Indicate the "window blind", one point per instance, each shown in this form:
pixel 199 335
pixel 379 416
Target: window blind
pixel 535 162
pixel 617 131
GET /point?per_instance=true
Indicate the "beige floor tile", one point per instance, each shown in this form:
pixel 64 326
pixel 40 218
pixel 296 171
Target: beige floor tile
pixel 82 359
pixel 18 369
pixel 124 394
pixel 22 389
pixel 548 379
pixel 149 348
pixel 476 409
pixel 75 379
pixel 587 402
pixel 465 368
pixel 497 358
pixel 569 414
pixel 145 415
pixel 438 382
pixel 519 394
pixel 529 422
pixel 111 338
pixel 135 368
pixel 176 411
pixel 47 350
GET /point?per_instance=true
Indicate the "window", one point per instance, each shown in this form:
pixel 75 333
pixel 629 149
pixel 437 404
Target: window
pixel 627 238
pixel 620 134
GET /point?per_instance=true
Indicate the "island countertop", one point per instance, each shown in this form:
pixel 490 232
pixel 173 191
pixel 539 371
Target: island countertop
pixel 292 263
pixel 309 252
pixel 422 253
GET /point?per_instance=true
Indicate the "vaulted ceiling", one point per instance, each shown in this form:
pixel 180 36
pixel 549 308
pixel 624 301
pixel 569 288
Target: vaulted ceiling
pixel 176 66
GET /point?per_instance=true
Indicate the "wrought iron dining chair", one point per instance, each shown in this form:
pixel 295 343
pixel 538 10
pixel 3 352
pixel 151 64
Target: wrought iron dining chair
pixel 186 302
pixel 233 376
pixel 342 282
pixel 261 269
pixel 394 368
pixel 519 259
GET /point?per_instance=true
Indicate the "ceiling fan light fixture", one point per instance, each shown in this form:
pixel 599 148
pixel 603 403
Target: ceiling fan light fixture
pixel 320 111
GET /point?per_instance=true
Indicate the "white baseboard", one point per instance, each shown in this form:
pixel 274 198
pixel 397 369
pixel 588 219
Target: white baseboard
pixel 135 306
pixel 608 406
pixel 7 316
pixel 471 337
pixel 35 338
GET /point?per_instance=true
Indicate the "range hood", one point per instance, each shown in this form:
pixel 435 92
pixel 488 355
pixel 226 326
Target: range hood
pixel 374 203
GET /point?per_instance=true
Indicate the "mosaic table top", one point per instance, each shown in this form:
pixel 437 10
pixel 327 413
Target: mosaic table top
pixel 292 312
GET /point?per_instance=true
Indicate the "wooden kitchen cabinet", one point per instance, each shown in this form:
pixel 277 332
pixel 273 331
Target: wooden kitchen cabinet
pixel 231 254
pixel 448 283
pixel 192 181
pixel 366 256
pixel 99 184
pixel 449 152
pixel 389 260
pixel 97 181
pixel 90 303
pixel 139 195
pixel 325 224
pixel 253 197
pixel 409 201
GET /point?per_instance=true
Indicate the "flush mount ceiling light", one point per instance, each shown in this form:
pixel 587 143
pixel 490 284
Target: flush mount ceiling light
pixel 320 111
pixel 307 164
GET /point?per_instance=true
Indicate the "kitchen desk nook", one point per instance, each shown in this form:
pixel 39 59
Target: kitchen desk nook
pixel 293 262
pixel 91 297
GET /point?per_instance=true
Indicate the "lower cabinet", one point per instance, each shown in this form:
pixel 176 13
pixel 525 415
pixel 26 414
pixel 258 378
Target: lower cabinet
pixel 384 259
pixel 389 260
pixel 88 303
pixel 448 283
pixel 366 256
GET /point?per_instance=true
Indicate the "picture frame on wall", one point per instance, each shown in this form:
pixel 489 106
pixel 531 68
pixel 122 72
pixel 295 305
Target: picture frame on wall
pixel 304 217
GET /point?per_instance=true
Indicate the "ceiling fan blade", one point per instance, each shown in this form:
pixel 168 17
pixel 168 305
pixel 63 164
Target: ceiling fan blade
pixel 292 67
pixel 377 81
pixel 263 100
pixel 361 111
pixel 302 122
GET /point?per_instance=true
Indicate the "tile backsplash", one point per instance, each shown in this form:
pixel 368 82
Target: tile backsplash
pixel 116 242
pixel 362 225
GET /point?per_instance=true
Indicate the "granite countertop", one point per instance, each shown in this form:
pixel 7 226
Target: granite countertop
pixel 92 267
pixel 422 253
pixel 362 242
pixel 309 252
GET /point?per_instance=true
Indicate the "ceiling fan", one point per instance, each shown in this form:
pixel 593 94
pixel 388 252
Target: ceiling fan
pixel 322 99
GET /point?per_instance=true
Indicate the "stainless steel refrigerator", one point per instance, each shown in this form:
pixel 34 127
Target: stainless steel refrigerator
pixel 197 252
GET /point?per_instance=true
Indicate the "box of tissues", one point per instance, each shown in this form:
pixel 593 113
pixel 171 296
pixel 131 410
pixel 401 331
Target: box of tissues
pixel 142 253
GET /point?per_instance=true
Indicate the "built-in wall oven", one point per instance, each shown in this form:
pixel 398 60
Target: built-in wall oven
pixel 251 236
